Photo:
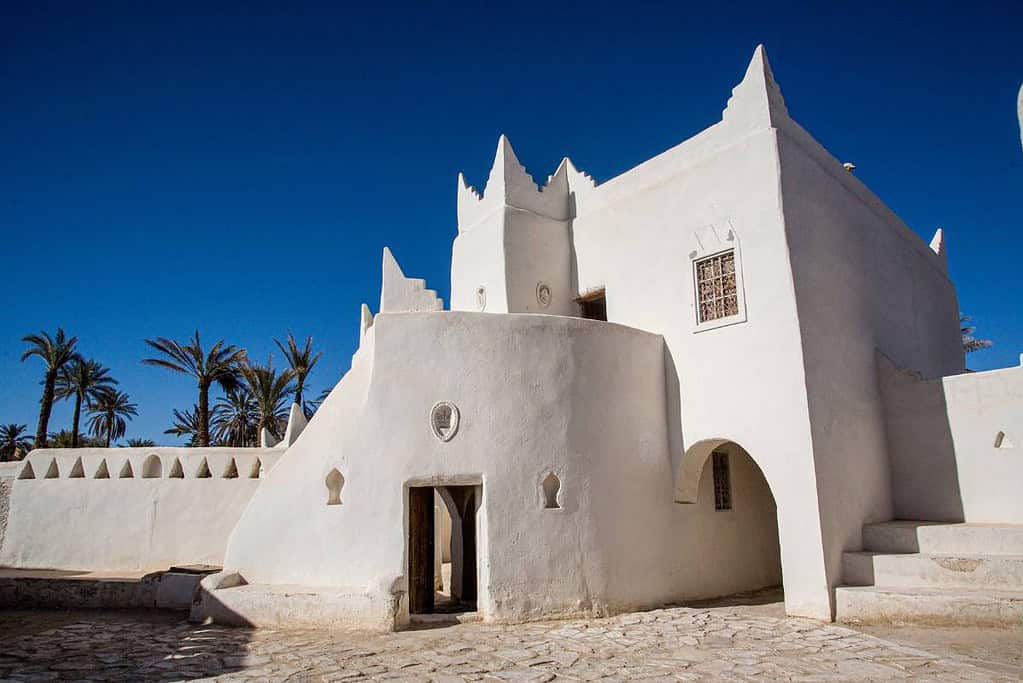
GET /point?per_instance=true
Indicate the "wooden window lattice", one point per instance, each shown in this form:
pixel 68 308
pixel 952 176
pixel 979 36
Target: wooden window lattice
pixel 722 482
pixel 716 289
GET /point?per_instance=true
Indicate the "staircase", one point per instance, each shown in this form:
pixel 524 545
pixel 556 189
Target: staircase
pixel 935 573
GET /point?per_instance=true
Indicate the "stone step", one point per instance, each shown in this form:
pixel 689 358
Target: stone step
pixel 943 538
pixel 937 606
pixel 997 572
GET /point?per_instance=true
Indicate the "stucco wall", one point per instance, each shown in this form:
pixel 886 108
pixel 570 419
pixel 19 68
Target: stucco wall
pixel 536 394
pixel 743 382
pixel 863 281
pixel 74 520
pixel 942 434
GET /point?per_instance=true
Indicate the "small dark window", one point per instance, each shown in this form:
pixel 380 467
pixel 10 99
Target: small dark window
pixel 722 483
pixel 594 306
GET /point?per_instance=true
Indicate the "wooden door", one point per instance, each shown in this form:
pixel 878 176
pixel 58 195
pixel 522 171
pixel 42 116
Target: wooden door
pixel 420 549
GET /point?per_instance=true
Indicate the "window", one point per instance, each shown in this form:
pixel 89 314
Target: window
pixel 594 306
pixel 551 486
pixel 716 291
pixel 722 482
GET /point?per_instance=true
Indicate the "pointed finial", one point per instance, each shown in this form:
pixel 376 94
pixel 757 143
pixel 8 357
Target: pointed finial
pixel 296 423
pixel 938 245
pixel 266 439
pixel 757 100
pixel 468 203
pixel 365 321
pixel 507 176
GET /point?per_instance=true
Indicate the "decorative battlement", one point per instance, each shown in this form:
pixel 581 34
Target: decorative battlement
pixel 757 100
pixel 510 184
pixel 400 294
pixel 148 463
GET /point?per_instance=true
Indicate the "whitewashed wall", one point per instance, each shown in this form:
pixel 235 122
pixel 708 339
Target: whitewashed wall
pixel 67 518
pixel 948 461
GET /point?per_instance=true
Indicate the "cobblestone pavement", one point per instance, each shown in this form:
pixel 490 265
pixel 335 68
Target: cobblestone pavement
pixel 664 645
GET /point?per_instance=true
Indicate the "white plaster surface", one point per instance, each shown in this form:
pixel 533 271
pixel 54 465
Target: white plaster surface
pixel 122 524
pixel 942 437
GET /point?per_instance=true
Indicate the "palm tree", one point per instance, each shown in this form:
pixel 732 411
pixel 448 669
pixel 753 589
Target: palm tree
pixel 108 415
pixel 301 361
pixel 56 352
pixel 234 418
pixel 312 405
pixel 62 439
pixel 271 392
pixel 185 424
pixel 140 443
pixel 85 380
pixel 13 441
pixel 219 366
pixel 966 330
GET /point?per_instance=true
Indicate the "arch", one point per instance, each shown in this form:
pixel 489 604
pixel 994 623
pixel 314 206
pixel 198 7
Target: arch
pixel 152 468
pixel 687 483
pixel 334 481
pixel 731 501
pixel 551 487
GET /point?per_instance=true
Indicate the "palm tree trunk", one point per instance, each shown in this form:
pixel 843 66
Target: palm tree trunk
pixel 203 417
pixel 74 420
pixel 45 407
pixel 298 391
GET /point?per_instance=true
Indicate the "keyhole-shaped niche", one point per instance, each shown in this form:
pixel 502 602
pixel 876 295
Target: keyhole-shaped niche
pixel 551 487
pixel 335 482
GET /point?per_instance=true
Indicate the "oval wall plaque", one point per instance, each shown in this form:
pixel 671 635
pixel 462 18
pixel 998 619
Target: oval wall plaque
pixel 444 420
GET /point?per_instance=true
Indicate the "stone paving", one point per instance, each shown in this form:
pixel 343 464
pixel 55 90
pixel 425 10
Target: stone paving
pixel 722 644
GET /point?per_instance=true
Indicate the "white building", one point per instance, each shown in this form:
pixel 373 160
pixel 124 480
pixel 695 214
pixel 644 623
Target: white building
pixel 704 376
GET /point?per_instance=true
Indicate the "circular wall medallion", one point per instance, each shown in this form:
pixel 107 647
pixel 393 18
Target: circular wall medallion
pixel 543 294
pixel 444 420
pixel 481 297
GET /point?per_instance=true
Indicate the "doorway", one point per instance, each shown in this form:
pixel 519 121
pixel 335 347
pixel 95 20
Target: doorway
pixel 458 590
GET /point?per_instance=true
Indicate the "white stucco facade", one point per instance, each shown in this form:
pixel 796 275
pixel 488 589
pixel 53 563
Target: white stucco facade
pixel 773 361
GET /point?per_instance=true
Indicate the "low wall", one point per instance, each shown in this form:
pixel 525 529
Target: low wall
pixel 956 444
pixel 128 509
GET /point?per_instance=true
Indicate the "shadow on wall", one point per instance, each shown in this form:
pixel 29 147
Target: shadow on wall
pixel 922 452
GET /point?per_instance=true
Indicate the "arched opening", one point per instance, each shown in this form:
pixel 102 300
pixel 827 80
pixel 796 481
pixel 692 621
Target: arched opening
pixel 177 472
pixel 52 472
pixel 231 471
pixel 203 471
pixel 551 487
pixel 126 471
pixel 254 471
pixel 77 470
pixel 335 482
pixel 102 472
pixel 731 517
pixel 152 468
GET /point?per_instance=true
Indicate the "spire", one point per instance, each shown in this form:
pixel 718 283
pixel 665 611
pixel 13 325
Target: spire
pixel 939 248
pixel 507 175
pixel 365 322
pixel 757 101
pixel 296 423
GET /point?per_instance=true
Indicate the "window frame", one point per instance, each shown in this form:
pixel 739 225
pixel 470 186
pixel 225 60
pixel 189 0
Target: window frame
pixel 723 503
pixel 740 295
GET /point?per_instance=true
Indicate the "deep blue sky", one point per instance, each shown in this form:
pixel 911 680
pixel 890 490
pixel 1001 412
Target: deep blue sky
pixel 240 170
